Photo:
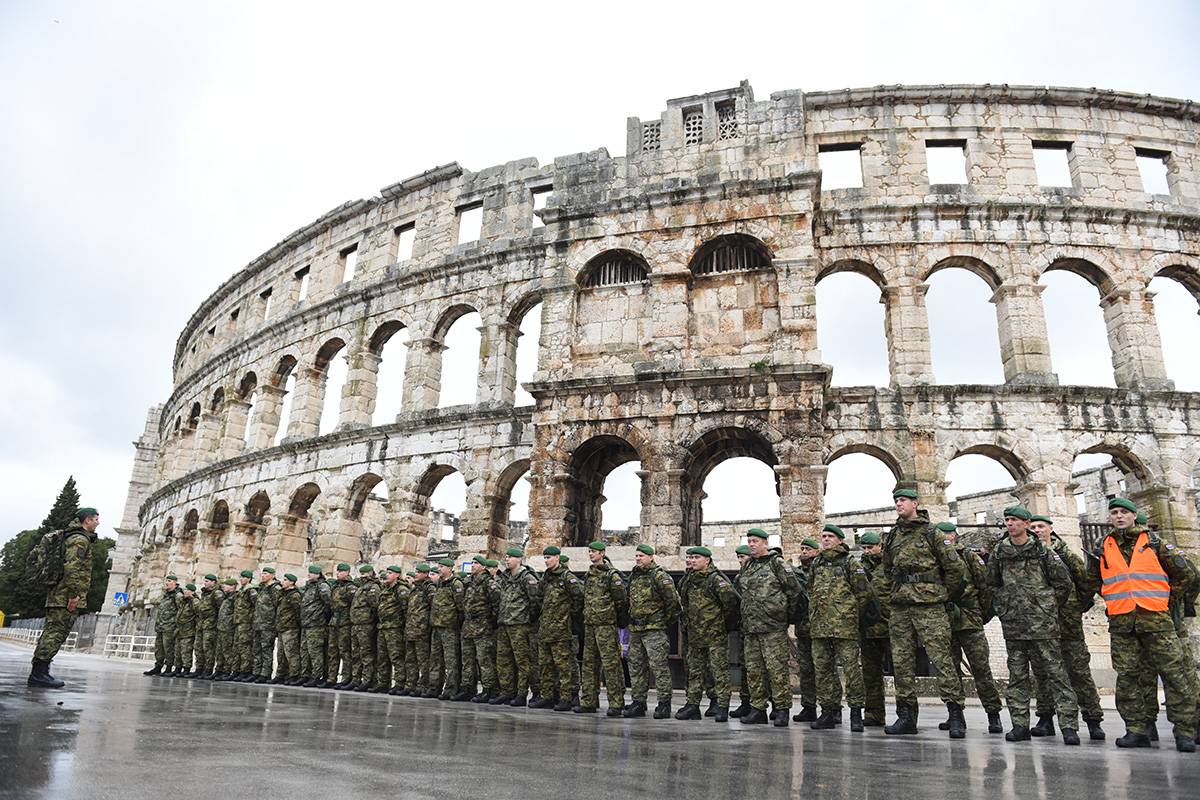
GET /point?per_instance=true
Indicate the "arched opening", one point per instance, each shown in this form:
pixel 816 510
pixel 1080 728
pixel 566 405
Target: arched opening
pixel 735 252
pixel 980 483
pixel 1075 323
pixel 390 343
pixel 218 521
pixel 369 506
pixel 510 509
pixel 460 359
pixel 284 378
pixel 300 520
pixel 858 489
pixel 441 501
pixel 332 364
pixel 1176 294
pixel 194 416
pixel 168 529
pixel 248 393
pixel 851 329
pixel 257 508
pixel 729 478
pixel 529 335
pixel 605 497
pixel 733 296
pixel 964 342
pixel 611 304
pixel 218 401
pixel 191 523
pixel 614 268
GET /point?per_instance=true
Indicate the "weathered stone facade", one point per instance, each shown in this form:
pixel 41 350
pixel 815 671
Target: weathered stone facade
pixel 678 329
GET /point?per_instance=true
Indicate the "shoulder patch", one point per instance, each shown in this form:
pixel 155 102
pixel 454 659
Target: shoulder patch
pixel 531 579
pixel 860 571
pixel 947 541
pixel 1170 546
pixel 616 579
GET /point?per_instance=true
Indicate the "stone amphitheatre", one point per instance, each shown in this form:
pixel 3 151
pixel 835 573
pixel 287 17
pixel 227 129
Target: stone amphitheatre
pixel 677 287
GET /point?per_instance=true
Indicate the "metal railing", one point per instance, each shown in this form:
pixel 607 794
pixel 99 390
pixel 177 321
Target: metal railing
pixel 29 637
pixel 137 648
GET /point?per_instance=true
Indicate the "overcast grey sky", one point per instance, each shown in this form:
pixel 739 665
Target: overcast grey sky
pixel 149 150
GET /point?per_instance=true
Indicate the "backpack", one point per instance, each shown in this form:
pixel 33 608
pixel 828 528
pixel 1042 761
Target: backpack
pixel 983 590
pixel 44 565
pixel 621 608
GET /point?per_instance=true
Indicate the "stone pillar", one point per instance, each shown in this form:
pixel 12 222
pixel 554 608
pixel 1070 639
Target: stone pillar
pixel 339 540
pixel 662 510
pixel 285 545
pixel 306 404
pixel 184 450
pixel 406 537
pixel 423 375
pixel 906 324
pixel 360 391
pixel 497 381
pixel 474 528
pixel 1024 345
pixel 1171 508
pixel 242 548
pixel 209 551
pixel 557 333
pixel 1133 337
pixel 669 331
pixel 208 433
pixel 551 519
pixel 1054 499
pixel 796 278
pixel 928 472
pixel 232 441
pixel 801 503
pixel 266 420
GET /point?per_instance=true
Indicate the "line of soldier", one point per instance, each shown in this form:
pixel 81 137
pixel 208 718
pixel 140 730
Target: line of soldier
pixel 434 633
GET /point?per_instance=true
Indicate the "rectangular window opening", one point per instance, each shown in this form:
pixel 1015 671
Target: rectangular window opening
pixel 265 297
pixel 946 161
pixel 1152 166
pixel 540 196
pixel 727 125
pixel 841 166
pixel 1081 504
pixel 349 263
pixel 719 541
pixel 406 235
pixel 470 223
pixel 652 135
pixel 980 517
pixel 301 284
pixel 693 125
pixel 1052 160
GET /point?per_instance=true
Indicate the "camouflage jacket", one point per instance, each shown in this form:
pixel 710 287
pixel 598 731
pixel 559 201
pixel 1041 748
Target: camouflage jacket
pixel 605 595
pixel 77 570
pixel 1072 609
pixel 209 606
pixel 416 615
pixel 364 608
pixel 393 602
pixel 653 600
pixel 874 567
pixel 1180 574
pixel 445 610
pixel 266 605
pixel 225 612
pixel 1027 582
pixel 287 612
pixel 166 615
pixel 837 591
pixel 341 595
pixel 769 589
pixel 315 599
pixel 562 601
pixel 185 620
pixel 708 599
pixel 520 597
pixel 800 609
pixel 968 611
pixel 244 605
pixel 919 566
pixel 481 606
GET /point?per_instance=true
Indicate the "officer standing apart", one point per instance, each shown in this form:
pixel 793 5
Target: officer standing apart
pixel 769 591
pixel 653 606
pixel 65 596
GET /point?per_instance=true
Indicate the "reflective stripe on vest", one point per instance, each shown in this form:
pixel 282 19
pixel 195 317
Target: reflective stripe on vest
pixel 1138 583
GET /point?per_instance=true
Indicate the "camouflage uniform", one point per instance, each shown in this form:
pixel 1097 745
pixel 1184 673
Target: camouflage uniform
pixel 1027 581
pixel 653 605
pixel 416 636
pixel 804 650
pixel 605 597
pixel 445 618
pixel 876 646
pixel 226 656
pixel 967 615
pixel 243 629
pixel 75 582
pixel 769 592
pixel 264 628
pixel 185 633
pixel 363 617
pixel 389 644
pixel 709 601
pixel 520 597
pixel 562 599
pixel 208 606
pixel 838 590
pixel 314 624
pixel 338 656
pixel 166 615
pixel 479 633
pixel 287 625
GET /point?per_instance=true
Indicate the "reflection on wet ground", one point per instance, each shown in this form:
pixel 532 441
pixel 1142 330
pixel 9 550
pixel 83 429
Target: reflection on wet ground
pixel 114 733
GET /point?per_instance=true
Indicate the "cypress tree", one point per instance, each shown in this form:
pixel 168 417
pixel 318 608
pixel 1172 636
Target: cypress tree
pixel 62 515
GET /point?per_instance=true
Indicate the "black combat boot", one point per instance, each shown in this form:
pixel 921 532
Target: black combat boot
pixel 958 723
pixel 461 695
pixel 711 711
pixel 519 701
pixel 324 684
pixel 311 683
pixel 827 721
pixel 756 716
pixel 1133 739
pixel 500 700
pixel 906 722
pixel 582 709
pixel 994 724
pixel 380 689
pixel 635 709
pixel 40 677
pixel 689 711
pixel 1152 731
pixel 541 702
pixel 278 680
pixel 782 718
pixel 742 710
pixel 1185 744
pixel 1019 733
pixel 482 697
pixel 567 703
pixel 169 672
pixel 663 709
pixel 361 687
pixel 615 711
pixel 1070 736
pixel 873 719
pixel 856 720
pixel 722 714
pixel 446 696
pixel 945 726
pixel 1044 727
pixel 1095 732
pixel 807 714
pixel 155 670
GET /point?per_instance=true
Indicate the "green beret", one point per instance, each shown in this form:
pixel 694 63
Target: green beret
pixel 946 527
pixel 314 570
pixel 564 558
pixel 343 568
pixel 246 573
pixel 491 562
pixel 84 513
pixel 701 551
pixel 834 529
pixel 1121 502
pixel 811 542
pixel 742 550
pixel 911 494
pixel 759 532
pixel 601 546
pixel 423 568
pixel 1040 518
pixel 210 577
pixel 551 551
pixel 1141 518
pixel 446 562
pixel 480 560
pixel 269 569
pixel 412 573
pixel 645 548
pixel 1017 512
pixel 365 568
pixel 870 537
pixel 290 576
pixel 191 587
pixel 229 582
pixel 172 578
pixel 395 569
pixel 515 552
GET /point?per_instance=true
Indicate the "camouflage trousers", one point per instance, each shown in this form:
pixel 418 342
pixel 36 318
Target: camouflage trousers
pixel 389 658
pixel 164 647
pixel 312 653
pixel 767 669
pixel 875 655
pixel 602 650
pixel 290 653
pixel 206 650
pixel 362 648
pixel 243 649
pixel 514 662
pixel 827 654
pixel 737 655
pixel 264 652
pixel 708 661
pixel 648 654
pixel 1042 655
pixel 416 663
pixel 444 661
pixel 534 671
pixel 57 627
pixel 185 646
pixel 933 626
pixel 1077 660
pixel 339 665
pixel 558 668
pixel 1134 654
pixel 806 667
pixel 226 660
pixel 479 662
pixel 974 645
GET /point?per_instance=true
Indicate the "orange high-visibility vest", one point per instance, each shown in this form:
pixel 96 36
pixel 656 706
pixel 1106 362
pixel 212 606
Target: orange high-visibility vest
pixel 1140 583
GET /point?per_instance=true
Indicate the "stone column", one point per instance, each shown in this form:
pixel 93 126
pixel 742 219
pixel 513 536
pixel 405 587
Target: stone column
pixel 1133 337
pixel 669 331
pixel 474 528
pixel 360 391
pixel 286 542
pixel 339 540
pixel 801 503
pixel 232 443
pixel 209 551
pixel 266 420
pixel 1171 509
pixel 207 438
pixel 1024 345
pixel 551 520
pixel 497 363
pixel 557 333
pixel 662 498
pixel 423 375
pixel 906 324
pixel 242 547
pixel 796 279
pixel 184 450
pixel 407 533
pixel 306 404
